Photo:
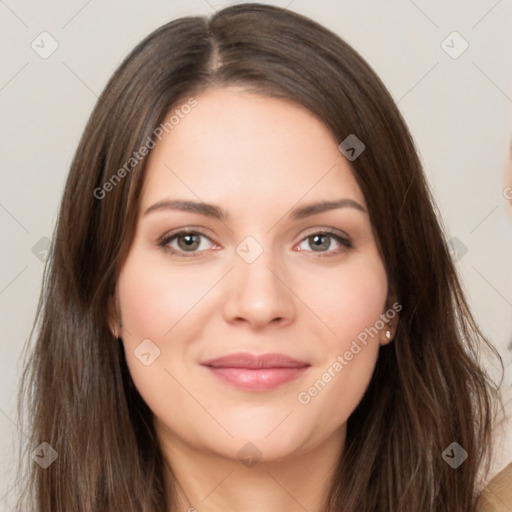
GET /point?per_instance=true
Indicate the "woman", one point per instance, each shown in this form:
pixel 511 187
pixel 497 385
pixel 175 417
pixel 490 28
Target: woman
pixel 250 303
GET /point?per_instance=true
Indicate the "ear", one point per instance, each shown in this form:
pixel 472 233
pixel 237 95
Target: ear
pixel 390 318
pixel 114 318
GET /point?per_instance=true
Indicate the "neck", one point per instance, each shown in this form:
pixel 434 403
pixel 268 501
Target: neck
pixel 208 482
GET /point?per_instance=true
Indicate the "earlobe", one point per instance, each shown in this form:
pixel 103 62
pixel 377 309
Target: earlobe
pixel 387 336
pixel 114 326
pixel 392 317
pixel 114 321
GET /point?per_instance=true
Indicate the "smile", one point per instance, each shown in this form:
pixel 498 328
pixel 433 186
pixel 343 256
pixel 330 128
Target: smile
pixel 256 372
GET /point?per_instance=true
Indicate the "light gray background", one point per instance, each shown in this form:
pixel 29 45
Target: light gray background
pixel 458 109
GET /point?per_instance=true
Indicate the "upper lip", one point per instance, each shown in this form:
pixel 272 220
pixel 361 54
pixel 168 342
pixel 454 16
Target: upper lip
pixel 258 361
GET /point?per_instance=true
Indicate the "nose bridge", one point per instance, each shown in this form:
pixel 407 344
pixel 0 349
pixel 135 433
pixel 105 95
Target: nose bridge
pixel 253 268
pixel 256 292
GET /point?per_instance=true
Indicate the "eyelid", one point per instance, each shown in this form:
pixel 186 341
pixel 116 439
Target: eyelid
pixel 324 230
pixel 341 237
pixel 184 230
pixel 165 239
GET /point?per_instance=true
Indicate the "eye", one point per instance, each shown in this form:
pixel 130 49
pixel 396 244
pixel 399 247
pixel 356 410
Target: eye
pixel 322 242
pixel 189 243
pixel 184 242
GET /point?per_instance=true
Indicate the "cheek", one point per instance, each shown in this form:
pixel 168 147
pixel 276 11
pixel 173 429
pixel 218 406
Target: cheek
pixel 350 299
pixel 351 305
pixel 152 302
pixel 154 297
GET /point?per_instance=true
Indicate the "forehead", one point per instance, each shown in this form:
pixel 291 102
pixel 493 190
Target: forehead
pixel 248 150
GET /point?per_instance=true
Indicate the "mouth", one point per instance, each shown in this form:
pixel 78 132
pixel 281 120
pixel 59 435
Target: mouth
pixel 256 372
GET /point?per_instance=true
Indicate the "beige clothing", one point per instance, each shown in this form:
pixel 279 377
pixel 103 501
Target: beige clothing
pixel 497 495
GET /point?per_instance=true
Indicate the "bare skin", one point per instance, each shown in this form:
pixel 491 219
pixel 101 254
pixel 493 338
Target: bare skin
pixel 197 298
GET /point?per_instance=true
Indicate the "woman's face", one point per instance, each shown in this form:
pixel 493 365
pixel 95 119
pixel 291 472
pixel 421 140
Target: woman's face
pixel 272 276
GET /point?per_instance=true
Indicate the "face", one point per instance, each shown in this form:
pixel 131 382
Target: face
pixel 230 258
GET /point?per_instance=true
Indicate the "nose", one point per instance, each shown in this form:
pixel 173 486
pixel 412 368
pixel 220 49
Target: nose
pixel 257 294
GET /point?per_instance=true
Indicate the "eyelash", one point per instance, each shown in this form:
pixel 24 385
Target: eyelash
pixel 168 238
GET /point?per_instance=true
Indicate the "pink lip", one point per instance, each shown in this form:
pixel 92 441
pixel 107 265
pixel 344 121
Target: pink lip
pixel 256 372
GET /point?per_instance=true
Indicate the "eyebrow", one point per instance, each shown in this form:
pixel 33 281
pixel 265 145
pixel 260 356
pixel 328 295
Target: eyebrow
pixel 210 210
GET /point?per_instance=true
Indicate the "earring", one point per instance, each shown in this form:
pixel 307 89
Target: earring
pixel 388 335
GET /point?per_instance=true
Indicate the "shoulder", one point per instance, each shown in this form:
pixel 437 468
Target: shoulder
pixel 497 495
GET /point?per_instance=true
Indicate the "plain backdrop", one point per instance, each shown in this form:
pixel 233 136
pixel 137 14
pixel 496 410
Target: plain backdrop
pixel 456 101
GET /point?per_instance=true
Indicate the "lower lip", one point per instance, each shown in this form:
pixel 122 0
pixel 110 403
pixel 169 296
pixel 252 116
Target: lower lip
pixel 257 379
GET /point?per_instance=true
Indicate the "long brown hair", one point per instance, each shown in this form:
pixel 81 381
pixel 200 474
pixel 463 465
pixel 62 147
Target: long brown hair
pixel 428 389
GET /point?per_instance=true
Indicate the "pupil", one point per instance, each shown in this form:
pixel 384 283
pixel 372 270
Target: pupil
pixel 318 238
pixel 189 242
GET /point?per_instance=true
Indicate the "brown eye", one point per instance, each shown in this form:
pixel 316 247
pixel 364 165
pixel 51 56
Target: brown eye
pixel 322 243
pixel 191 242
pixel 319 242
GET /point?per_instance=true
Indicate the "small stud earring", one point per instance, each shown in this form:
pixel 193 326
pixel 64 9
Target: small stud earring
pixel 388 335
